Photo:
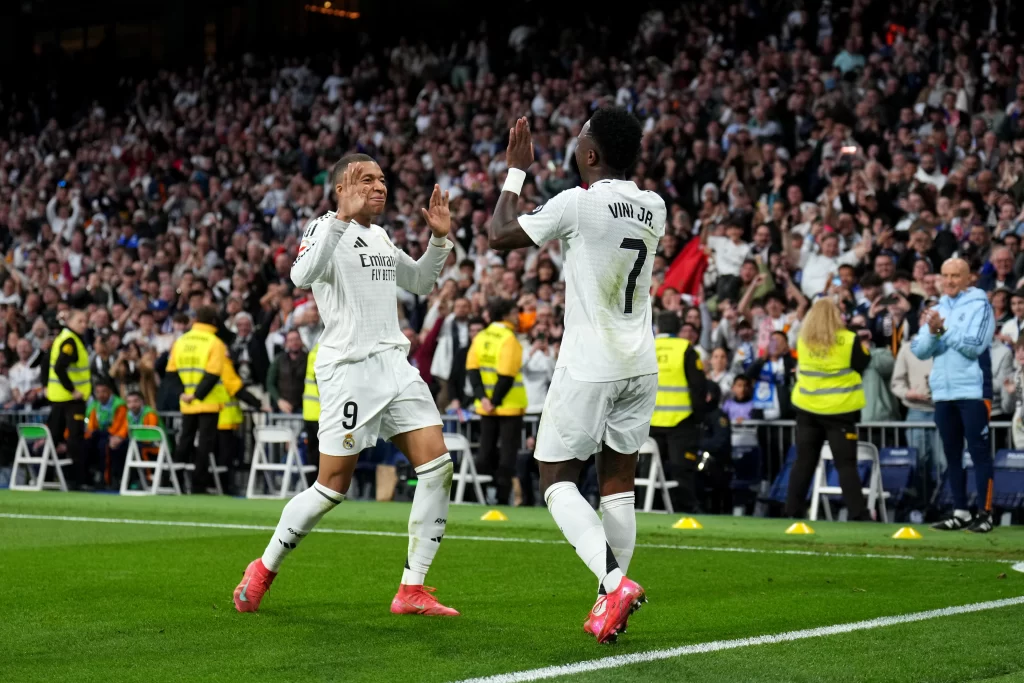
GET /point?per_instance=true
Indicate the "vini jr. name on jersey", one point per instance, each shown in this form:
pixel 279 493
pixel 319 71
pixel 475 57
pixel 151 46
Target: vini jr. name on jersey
pixel 624 210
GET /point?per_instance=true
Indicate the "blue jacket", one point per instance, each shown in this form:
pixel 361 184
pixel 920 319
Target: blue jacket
pixel 961 368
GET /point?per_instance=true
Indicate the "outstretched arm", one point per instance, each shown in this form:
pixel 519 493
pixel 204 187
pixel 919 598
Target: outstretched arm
pixel 419 277
pixel 504 232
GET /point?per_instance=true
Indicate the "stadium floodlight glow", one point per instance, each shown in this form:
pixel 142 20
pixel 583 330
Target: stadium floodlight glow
pixel 330 11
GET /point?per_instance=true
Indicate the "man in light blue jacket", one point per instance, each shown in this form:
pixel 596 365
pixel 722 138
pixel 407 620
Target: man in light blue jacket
pixel 957 334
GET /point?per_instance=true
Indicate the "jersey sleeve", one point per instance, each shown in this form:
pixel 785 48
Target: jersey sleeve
pixel 660 217
pixel 420 276
pixel 315 250
pixel 232 382
pixel 555 220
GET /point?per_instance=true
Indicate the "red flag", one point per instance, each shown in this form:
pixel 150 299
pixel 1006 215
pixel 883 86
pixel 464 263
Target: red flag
pixel 686 272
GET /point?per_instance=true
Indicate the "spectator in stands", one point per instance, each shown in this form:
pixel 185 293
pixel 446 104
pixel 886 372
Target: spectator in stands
pixel 773 377
pixel 286 376
pixel 719 374
pixel 249 351
pixel 25 376
pixel 106 435
pixel 740 406
pixel 1014 391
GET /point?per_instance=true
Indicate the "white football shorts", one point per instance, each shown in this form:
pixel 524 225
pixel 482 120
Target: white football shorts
pixel 378 397
pixel 579 416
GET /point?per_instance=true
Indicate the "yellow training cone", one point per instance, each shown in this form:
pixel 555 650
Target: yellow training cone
pixel 799 528
pixel 687 523
pixel 494 516
pixel 907 533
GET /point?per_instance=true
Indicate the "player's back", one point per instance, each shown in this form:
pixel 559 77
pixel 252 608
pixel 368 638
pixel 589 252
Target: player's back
pixel 609 258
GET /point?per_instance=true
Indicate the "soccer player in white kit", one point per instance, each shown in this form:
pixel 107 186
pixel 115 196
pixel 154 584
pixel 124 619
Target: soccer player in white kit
pixel 367 386
pixel 601 398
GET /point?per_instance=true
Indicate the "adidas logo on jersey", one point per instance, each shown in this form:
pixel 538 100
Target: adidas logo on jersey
pixel 360 244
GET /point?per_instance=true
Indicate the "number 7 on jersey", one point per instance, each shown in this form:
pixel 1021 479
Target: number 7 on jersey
pixel 637 245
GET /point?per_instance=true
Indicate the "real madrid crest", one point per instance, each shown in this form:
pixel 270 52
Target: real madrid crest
pixel 349 443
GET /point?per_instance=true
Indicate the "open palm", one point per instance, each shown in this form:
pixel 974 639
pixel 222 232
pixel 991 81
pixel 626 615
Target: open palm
pixel 437 215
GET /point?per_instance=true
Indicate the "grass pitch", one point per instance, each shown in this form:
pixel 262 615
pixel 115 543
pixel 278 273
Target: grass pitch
pixel 115 601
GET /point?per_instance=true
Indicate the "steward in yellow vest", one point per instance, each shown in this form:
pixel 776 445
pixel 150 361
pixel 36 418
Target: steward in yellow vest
pixel 497 357
pixel 311 394
pixel 678 409
pixel 68 386
pixel 828 396
pixel 493 364
pixel 232 393
pixel 826 383
pixel 199 358
pixel 311 410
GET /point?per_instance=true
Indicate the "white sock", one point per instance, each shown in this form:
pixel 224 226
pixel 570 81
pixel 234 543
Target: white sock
pixel 618 517
pixel 298 518
pixel 582 528
pixel 963 515
pixel 428 517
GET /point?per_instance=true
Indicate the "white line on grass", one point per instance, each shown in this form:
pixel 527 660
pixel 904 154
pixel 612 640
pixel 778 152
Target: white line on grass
pixel 493 539
pixel 718 645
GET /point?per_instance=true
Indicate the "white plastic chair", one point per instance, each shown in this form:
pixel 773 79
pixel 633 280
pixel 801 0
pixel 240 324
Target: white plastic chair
pixel 866 452
pixel 293 472
pixel 23 457
pixel 655 479
pixel 163 464
pixel 457 443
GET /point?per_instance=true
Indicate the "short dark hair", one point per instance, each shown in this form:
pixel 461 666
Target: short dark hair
pixel 136 393
pixel 617 134
pixel 207 315
pixel 871 279
pixel 498 309
pixel 669 323
pixel 341 164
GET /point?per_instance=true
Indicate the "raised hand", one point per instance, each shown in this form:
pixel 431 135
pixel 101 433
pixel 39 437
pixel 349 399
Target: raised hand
pixel 520 146
pixel 351 197
pixel 438 216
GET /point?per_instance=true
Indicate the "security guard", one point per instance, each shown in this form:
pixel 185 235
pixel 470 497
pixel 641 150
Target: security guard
pixel 493 366
pixel 231 393
pixel 311 410
pixel 199 356
pixel 67 388
pixel 679 409
pixel 828 397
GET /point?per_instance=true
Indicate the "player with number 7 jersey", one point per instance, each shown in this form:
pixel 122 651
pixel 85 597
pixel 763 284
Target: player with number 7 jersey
pixel 367 388
pixel 602 396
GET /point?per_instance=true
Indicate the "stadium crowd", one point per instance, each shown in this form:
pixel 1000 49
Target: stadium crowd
pixel 845 148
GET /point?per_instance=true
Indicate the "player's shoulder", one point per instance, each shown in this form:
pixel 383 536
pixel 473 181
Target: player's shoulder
pixel 559 201
pixel 383 234
pixel 315 223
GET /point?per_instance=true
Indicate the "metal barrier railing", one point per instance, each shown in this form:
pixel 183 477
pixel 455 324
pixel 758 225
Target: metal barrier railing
pixel 774 437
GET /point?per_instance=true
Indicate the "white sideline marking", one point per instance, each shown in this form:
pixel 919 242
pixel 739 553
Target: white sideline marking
pixel 1019 567
pixel 718 645
pixel 494 539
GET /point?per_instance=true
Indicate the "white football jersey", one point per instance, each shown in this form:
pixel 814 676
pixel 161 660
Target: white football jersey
pixel 354 272
pixel 609 233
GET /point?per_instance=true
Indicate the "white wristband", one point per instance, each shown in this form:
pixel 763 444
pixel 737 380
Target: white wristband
pixel 438 241
pixel 514 181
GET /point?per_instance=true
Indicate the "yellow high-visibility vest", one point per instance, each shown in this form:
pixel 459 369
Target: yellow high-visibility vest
pixel 672 404
pixel 825 383
pixel 311 393
pixel 230 416
pixel 191 352
pixel 78 372
pixel 488 344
